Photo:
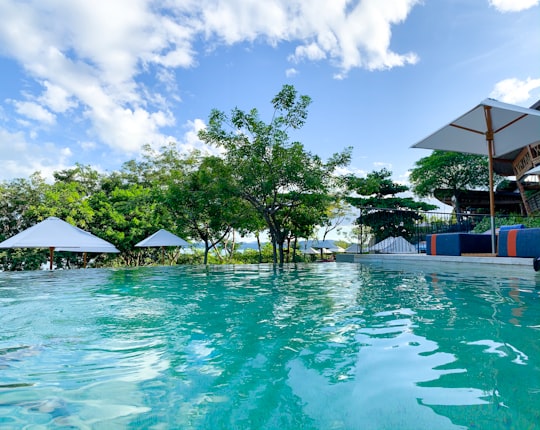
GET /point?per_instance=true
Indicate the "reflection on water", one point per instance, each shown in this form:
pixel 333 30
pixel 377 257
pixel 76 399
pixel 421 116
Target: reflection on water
pixel 383 388
pixel 333 346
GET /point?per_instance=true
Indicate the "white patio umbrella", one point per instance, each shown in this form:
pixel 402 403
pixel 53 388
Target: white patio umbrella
pixel 491 128
pixel 86 249
pixel 53 233
pixel 355 248
pixel 394 245
pixel 309 251
pixel 162 238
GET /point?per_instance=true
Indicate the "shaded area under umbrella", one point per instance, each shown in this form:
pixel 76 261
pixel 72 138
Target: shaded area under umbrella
pixel 161 239
pixel 54 233
pixel 89 249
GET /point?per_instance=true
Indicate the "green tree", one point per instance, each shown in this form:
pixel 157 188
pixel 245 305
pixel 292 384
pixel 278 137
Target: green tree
pixel 269 172
pixel 451 172
pixel 381 209
pixel 18 198
pixel 68 197
pixel 129 207
pixel 205 203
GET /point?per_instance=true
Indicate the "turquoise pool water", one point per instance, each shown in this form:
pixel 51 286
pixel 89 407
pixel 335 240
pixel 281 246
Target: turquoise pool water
pixel 320 346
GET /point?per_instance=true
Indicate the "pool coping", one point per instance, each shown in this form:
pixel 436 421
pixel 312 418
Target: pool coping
pixel 469 259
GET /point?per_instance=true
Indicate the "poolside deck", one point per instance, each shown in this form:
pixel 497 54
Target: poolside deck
pixel 423 258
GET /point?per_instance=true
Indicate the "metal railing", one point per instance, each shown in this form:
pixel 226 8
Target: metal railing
pixel 394 231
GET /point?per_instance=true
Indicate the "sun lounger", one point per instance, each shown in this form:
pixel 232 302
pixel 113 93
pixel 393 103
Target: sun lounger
pixel 519 242
pixel 458 244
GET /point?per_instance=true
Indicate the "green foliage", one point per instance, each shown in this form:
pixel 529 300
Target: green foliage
pixel 22 259
pixel 485 223
pixel 275 176
pixel 451 170
pixel 385 224
pixel 205 202
pixel 381 210
pixel 375 187
pixel 18 198
pixel 455 172
pixel 342 243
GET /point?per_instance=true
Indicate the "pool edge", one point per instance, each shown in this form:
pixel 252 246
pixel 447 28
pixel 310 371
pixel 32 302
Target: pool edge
pixel 359 258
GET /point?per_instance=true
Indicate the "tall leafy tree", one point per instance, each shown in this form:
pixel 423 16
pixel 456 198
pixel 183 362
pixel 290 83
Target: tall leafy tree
pixel 381 208
pixel 269 171
pixel 453 172
pixel 205 203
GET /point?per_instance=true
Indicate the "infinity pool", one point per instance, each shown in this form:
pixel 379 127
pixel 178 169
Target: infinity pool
pixel 320 346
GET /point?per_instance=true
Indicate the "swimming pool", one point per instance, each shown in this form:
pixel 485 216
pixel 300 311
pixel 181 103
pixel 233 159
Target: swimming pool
pixel 320 346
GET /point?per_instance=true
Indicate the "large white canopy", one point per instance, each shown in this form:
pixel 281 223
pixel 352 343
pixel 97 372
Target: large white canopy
pixel 162 238
pixel 394 245
pixel 513 128
pixel 355 248
pixel 55 233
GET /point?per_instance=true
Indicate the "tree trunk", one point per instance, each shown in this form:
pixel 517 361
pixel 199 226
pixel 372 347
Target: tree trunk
pixel 233 244
pixel 206 250
pixel 273 237
pixel 457 206
pixel 259 247
pixel 274 251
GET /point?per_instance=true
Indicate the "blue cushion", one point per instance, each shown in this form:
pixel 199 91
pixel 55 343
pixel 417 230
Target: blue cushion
pixel 457 243
pixel 511 227
pixel 519 243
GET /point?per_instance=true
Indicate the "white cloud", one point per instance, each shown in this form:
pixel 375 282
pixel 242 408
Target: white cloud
pixel 311 52
pixel 378 165
pixel 20 158
pixel 88 146
pixel 513 5
pixel 87 58
pixel 350 170
pixel 351 36
pixel 56 98
pixel 291 72
pixel 34 111
pixel 129 129
pixel 516 91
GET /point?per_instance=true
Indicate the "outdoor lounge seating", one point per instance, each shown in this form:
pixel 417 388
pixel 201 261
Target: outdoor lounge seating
pixel 458 244
pixel 519 242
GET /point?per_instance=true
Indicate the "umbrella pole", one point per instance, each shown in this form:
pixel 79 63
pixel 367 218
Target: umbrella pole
pixel 51 255
pixel 491 200
pixel 491 144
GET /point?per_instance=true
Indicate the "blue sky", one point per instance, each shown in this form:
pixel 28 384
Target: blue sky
pixel 92 82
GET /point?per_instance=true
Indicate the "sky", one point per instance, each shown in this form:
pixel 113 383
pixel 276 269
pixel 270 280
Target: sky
pixel 93 82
